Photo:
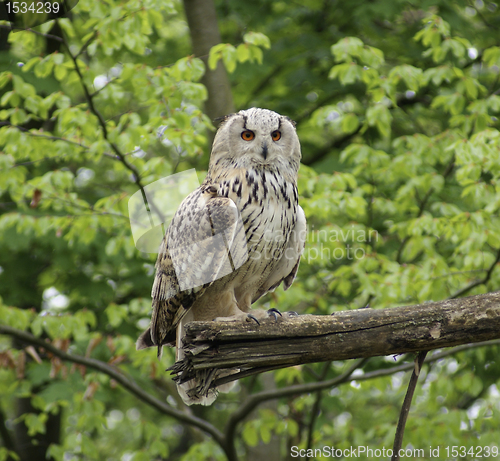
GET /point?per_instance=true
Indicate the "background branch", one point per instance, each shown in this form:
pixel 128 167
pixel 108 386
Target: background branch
pixel 127 382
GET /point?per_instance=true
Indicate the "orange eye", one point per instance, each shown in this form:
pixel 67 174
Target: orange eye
pixel 247 135
pixel 276 135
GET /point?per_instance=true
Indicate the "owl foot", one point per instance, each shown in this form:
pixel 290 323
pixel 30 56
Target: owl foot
pixel 255 315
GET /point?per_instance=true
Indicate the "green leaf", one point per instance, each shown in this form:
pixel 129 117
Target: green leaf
pixel 5 77
pixel 44 68
pixel 256 54
pixel 250 435
pixel 116 314
pixel 379 117
pixel 350 123
pixel 346 48
pixel 412 76
pixel 491 56
pixel 6 454
pixel 60 72
pixel 35 423
pixel 346 73
pixel 243 52
pixel 229 58
pixel 215 54
pixel 257 39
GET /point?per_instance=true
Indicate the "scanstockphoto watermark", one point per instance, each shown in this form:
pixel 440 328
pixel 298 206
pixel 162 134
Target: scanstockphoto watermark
pixel 357 452
pixel 362 451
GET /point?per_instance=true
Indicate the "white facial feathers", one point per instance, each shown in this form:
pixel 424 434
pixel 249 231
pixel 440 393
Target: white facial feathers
pixel 257 135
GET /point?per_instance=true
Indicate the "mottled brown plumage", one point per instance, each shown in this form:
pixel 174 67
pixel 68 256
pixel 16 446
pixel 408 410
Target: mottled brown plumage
pixel 235 238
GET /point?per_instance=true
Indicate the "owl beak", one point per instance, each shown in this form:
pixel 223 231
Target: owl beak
pixel 264 151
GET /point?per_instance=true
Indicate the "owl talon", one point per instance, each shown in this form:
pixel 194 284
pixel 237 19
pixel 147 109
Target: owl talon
pixel 251 317
pixel 292 314
pixel 272 312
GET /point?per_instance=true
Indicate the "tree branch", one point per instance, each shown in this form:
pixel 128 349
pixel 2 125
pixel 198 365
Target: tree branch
pixel 127 382
pixel 38 135
pixel 336 143
pixel 345 335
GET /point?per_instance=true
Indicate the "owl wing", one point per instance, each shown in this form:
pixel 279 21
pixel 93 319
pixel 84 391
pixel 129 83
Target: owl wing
pixel 287 267
pixel 205 241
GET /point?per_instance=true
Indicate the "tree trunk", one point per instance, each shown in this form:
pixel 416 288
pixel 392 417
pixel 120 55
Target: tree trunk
pixel 204 31
pixel 34 448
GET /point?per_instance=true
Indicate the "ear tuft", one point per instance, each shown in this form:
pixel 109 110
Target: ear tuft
pixel 293 122
pixel 222 120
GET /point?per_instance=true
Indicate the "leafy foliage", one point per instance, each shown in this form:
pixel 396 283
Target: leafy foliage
pixel 397 109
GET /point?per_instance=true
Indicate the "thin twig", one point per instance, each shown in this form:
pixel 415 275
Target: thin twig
pixel 52 37
pixel 333 144
pixel 96 92
pixel 86 44
pixel 255 400
pixel 50 137
pixel 405 409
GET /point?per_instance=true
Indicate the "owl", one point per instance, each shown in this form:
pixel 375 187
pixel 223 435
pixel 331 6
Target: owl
pixel 234 239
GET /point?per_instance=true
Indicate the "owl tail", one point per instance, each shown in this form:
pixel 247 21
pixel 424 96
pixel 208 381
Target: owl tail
pixel 192 391
pixel 190 396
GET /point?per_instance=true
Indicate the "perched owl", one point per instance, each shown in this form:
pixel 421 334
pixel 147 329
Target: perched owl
pixel 232 240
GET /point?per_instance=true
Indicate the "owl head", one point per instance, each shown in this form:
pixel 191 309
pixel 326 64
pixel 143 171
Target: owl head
pixel 257 137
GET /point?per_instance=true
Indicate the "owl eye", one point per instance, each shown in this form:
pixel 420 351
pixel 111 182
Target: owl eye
pixel 276 135
pixel 247 135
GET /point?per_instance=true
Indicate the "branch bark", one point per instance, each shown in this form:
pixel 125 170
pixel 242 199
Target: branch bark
pixel 345 335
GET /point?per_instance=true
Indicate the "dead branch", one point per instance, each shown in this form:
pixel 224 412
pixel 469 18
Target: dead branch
pixel 288 341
